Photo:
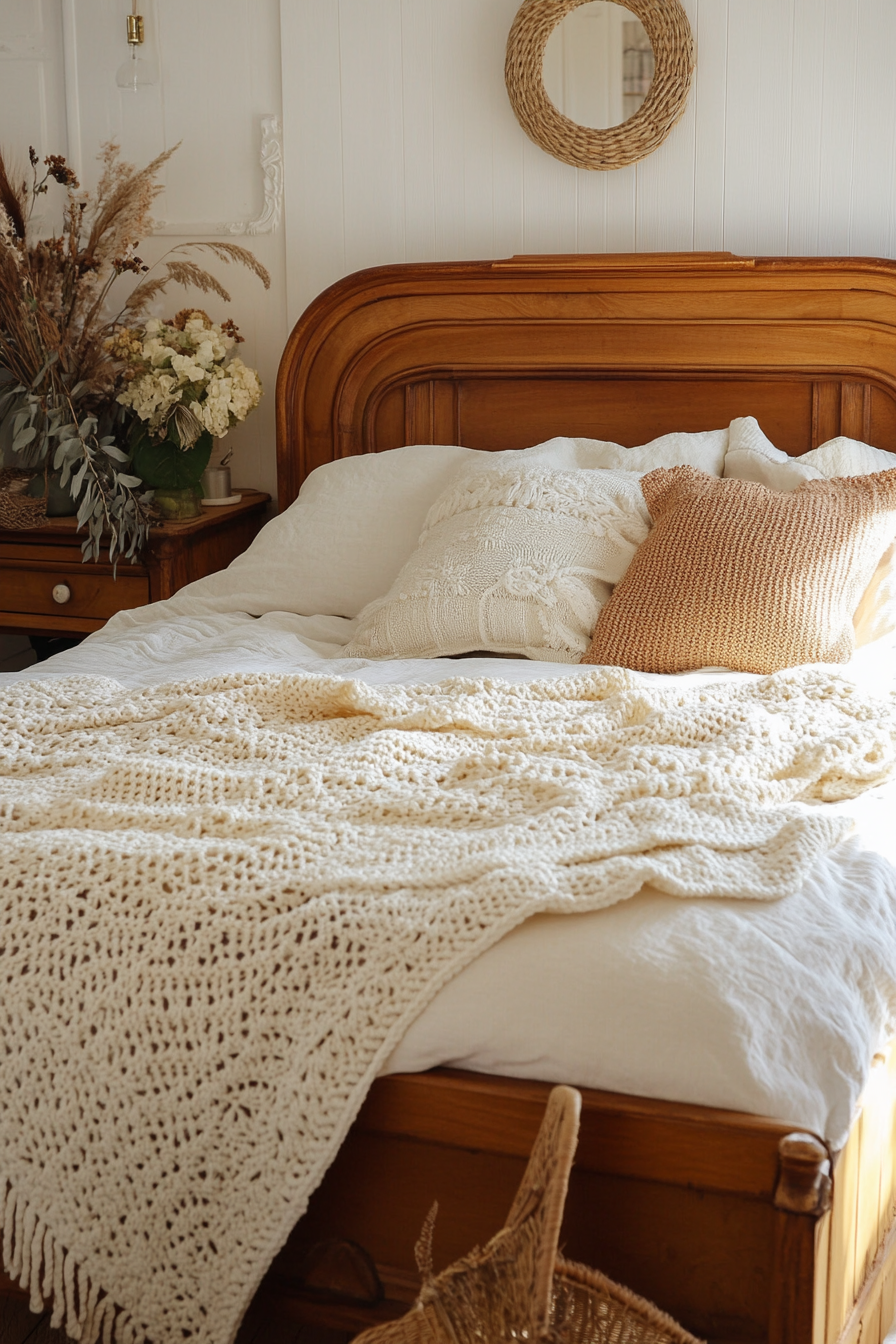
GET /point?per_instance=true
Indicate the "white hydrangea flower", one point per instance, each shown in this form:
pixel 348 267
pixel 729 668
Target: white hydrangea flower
pixel 170 361
pixel 157 352
pixel 187 370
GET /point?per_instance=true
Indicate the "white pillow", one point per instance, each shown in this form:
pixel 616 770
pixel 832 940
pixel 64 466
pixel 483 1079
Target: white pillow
pixel 510 561
pixel 356 521
pixel 353 525
pixel 752 457
pixel 705 450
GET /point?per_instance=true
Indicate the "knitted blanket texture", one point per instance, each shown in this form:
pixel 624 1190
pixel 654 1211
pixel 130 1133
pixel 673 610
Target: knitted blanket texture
pixel 222 902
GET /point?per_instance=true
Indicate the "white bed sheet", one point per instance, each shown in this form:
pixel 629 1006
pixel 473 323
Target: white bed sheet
pixel 774 1009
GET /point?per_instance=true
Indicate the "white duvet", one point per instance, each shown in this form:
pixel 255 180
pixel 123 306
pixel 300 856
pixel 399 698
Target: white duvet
pixel 774 1009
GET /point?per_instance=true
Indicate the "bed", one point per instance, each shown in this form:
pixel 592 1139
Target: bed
pixel 742 1226
pixel 706 1212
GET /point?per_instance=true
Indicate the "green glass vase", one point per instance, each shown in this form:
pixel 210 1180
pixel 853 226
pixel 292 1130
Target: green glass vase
pixel 177 503
pixel 170 471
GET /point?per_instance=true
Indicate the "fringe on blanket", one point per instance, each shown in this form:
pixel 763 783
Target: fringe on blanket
pixel 33 1259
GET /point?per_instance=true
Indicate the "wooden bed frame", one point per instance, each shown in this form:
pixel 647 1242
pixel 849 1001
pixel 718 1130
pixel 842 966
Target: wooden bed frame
pixel 725 1220
pixel 739 1228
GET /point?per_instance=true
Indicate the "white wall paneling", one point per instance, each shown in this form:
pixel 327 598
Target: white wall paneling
pixel 839 89
pixel 218 65
pixel 312 146
pixel 399 143
pixel 710 23
pixel 418 121
pixel 373 167
pixel 398 126
pixel 270 168
pixel 72 85
pixel 872 224
pixel 32 77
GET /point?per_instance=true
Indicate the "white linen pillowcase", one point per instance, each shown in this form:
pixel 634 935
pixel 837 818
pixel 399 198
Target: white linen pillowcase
pixel 342 541
pixel 751 456
pixel 704 449
pixel 356 521
pixel 510 561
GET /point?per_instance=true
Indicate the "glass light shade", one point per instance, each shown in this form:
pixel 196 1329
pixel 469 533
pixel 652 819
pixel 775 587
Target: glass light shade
pixel 136 72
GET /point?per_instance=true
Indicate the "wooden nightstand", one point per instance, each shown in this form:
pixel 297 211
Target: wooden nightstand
pixel 46 590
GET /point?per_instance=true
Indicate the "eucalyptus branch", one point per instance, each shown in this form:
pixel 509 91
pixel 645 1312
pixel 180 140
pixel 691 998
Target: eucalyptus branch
pixel 96 510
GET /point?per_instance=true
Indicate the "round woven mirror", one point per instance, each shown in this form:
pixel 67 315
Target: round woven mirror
pixel 667 27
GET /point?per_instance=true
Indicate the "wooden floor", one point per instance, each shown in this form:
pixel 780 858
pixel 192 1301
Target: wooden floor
pixel 18 1325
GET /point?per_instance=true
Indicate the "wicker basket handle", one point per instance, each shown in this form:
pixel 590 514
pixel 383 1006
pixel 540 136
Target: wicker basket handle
pixel 542 1192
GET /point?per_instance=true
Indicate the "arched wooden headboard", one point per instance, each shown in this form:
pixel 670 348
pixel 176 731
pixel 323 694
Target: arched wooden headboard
pixel 504 354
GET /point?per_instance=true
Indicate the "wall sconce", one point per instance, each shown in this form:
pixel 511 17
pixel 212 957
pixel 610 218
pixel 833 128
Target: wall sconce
pixel 136 71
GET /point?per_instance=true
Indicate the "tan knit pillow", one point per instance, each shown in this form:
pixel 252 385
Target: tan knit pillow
pixel 736 575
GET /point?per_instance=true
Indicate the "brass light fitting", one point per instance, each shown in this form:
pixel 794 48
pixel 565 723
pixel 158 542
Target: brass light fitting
pixel 136 71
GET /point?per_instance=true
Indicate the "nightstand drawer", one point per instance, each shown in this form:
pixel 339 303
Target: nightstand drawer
pixel 70 591
pixel 36 561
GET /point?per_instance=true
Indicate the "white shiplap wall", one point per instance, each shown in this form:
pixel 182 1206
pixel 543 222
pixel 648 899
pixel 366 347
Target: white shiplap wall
pixel 401 144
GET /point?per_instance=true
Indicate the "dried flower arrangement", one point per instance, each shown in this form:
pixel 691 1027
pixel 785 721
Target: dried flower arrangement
pixel 61 374
pixel 186 389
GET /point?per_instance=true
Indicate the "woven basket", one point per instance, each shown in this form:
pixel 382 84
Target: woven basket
pixel 517 1287
pixel 19 511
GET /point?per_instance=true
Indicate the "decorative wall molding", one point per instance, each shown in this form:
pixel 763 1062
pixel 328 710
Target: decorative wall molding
pixel 272 173
pixel 271 161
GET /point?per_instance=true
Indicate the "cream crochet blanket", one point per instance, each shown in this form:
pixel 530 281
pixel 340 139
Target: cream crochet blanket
pixel 224 901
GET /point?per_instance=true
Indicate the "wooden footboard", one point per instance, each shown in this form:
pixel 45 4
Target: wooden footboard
pixel 744 1231
pixel 730 1222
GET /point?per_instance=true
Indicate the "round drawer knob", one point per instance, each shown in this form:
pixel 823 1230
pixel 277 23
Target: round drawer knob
pixel 61 593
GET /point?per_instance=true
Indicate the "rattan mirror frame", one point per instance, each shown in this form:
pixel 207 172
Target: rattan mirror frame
pixel 665 23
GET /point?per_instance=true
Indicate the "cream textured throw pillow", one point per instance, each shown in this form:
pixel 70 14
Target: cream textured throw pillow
pixel 736 575
pixel 515 561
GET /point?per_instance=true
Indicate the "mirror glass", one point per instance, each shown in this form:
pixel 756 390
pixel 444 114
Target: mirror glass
pixel 598 65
